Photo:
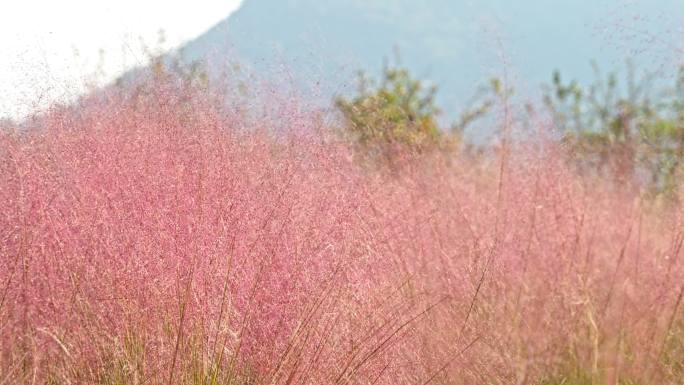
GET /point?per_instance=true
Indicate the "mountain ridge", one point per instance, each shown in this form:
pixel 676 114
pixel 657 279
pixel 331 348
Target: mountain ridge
pixel 457 45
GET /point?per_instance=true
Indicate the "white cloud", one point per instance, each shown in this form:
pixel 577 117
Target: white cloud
pixel 48 48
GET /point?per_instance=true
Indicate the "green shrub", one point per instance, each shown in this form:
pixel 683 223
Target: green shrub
pixel 625 131
pixel 395 115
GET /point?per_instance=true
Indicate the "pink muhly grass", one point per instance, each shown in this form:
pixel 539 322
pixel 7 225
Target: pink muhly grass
pixel 163 236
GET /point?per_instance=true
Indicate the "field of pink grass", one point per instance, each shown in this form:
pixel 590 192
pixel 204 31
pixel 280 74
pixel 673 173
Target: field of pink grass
pixel 167 236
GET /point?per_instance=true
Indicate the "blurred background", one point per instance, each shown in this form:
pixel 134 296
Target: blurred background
pixel 54 51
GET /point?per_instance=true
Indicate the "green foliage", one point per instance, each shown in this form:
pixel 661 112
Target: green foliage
pixel 625 131
pixel 482 103
pixel 398 113
pixel 398 116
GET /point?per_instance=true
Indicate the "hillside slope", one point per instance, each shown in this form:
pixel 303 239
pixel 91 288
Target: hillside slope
pixel 456 44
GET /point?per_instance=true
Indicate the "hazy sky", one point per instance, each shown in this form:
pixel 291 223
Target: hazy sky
pixel 47 47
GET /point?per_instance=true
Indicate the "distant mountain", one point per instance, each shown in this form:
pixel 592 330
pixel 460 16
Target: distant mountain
pixel 330 40
pixel 454 43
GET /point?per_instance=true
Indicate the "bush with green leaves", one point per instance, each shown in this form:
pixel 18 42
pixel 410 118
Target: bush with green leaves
pixel 399 113
pixel 398 116
pixel 629 132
